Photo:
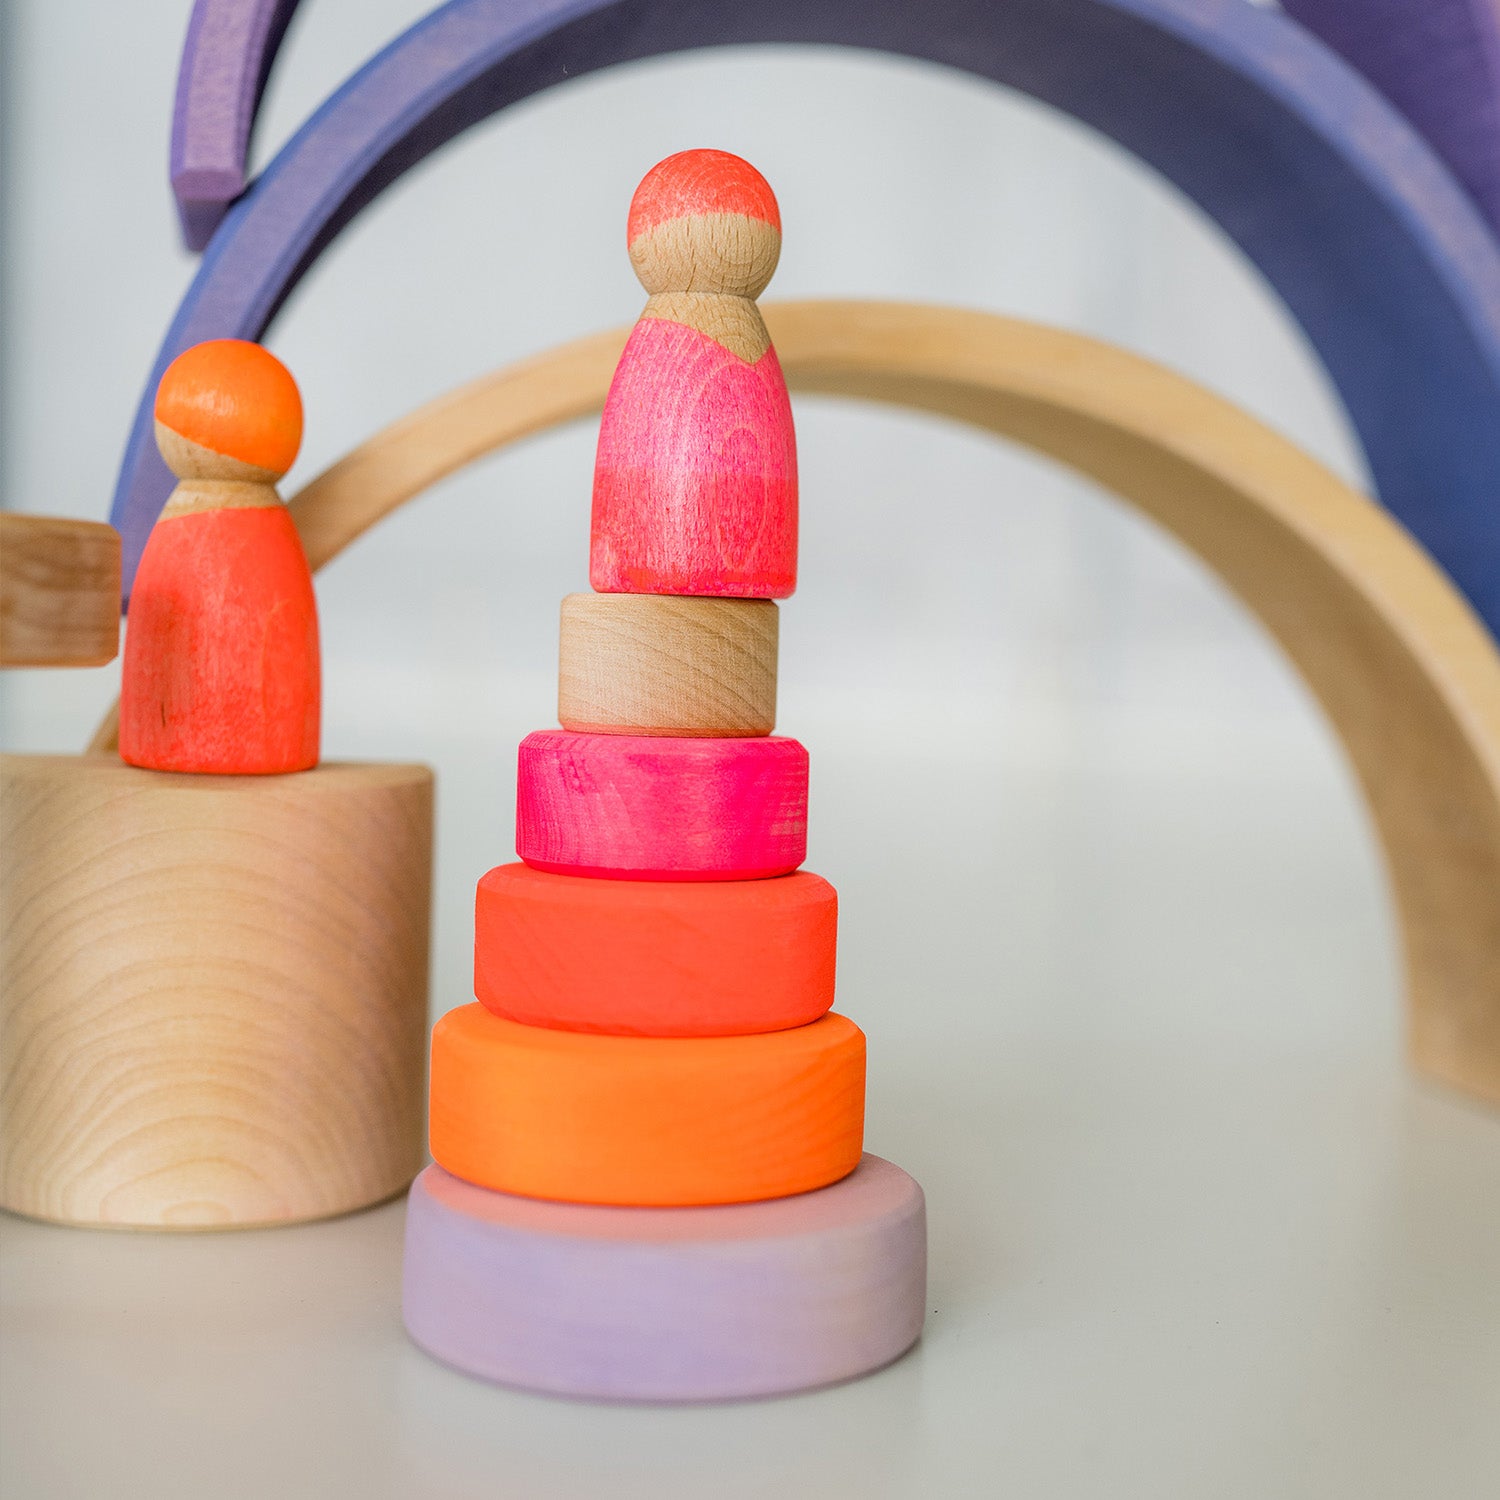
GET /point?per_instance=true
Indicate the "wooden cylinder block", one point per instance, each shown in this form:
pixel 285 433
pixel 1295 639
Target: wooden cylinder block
pixel 655 664
pixel 682 1304
pixel 630 807
pixel 213 991
pixel 649 1121
pixel 655 958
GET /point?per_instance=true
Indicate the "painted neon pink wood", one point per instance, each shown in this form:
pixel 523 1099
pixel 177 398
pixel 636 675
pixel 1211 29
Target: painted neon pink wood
pixel 695 485
pixel 644 807
pixel 667 1304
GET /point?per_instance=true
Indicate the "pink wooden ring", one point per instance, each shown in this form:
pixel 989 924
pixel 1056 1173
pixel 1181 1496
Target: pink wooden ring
pixel 667 1304
pixel 654 808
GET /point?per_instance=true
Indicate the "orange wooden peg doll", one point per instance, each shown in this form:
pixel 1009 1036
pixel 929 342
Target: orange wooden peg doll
pixel 221 648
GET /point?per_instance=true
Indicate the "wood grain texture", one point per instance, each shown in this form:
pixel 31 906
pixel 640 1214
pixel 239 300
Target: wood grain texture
pixel 630 807
pixel 59 592
pixel 655 958
pixel 1407 675
pixel 695 478
pixel 655 664
pixel 213 991
pixel 646 1121
pixel 683 1304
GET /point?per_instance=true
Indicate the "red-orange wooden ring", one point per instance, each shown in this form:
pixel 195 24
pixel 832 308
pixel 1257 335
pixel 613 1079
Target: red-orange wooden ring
pixel 655 958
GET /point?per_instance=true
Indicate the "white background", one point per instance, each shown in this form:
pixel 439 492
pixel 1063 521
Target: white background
pixel 1113 915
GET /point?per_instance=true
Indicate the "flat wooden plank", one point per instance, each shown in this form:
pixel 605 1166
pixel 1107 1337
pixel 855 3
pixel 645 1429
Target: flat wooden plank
pixel 59 592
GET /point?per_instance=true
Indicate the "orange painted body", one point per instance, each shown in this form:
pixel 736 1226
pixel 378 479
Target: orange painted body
pixel 221 667
pixel 651 1121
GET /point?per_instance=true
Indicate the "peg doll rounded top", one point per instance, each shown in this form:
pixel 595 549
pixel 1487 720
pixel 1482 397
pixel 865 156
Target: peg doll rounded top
pixel 704 221
pixel 228 409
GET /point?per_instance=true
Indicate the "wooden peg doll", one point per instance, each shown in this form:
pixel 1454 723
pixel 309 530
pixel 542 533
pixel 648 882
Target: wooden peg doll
pixel 695 483
pixel 221 666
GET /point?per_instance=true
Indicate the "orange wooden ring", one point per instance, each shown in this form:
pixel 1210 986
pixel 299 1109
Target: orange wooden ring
pixel 655 957
pixel 648 1121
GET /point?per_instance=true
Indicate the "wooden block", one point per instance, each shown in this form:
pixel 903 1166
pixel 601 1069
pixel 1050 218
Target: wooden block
pixel 649 1121
pixel 650 664
pixel 222 672
pixel 695 480
pixel 633 807
pixel 59 592
pixel 213 991
pixel 682 1304
pixel 655 958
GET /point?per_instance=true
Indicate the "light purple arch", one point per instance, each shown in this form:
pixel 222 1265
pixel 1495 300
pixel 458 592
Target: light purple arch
pixel 226 60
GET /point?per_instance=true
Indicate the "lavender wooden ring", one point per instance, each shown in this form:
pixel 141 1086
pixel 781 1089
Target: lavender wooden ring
pixel 630 807
pixel 675 1304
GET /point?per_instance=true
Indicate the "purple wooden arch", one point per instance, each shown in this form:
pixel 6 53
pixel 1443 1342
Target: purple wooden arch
pixel 1368 239
pixel 1438 62
pixel 226 60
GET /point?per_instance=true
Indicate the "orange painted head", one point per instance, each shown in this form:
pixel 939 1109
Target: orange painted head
pixel 704 221
pixel 236 399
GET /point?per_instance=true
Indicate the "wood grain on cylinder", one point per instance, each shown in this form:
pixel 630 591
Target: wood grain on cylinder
pixel 631 807
pixel 656 664
pixel 682 1304
pixel 650 1121
pixel 59 592
pixel 213 991
pixel 655 958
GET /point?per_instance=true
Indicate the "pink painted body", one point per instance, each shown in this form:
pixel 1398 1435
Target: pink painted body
pixel 628 807
pixel 695 483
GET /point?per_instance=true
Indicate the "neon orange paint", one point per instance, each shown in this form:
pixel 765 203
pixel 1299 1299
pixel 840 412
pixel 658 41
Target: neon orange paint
pixel 700 182
pixel 221 670
pixel 653 1121
pixel 235 398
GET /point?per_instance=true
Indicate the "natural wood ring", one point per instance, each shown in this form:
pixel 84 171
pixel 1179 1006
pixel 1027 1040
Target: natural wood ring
pixel 663 664
pixel 1403 668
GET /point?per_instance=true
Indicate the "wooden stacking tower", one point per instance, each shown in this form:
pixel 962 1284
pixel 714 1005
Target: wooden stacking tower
pixel 649 1178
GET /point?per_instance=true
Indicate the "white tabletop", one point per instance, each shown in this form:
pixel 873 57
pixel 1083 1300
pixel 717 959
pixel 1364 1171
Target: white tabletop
pixel 1195 1229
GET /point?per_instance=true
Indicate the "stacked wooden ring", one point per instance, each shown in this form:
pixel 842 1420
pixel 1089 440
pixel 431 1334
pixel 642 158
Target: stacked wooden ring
pixel 648 1131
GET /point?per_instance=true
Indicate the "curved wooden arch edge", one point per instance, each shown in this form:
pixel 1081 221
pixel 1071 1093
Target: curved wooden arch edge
pixel 1403 668
pixel 1347 212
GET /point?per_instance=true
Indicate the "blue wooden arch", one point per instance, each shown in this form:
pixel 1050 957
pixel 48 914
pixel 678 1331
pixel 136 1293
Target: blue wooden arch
pixel 1375 249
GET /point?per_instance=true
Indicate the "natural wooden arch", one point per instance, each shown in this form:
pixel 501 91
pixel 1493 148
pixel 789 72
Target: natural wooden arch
pixel 1403 668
